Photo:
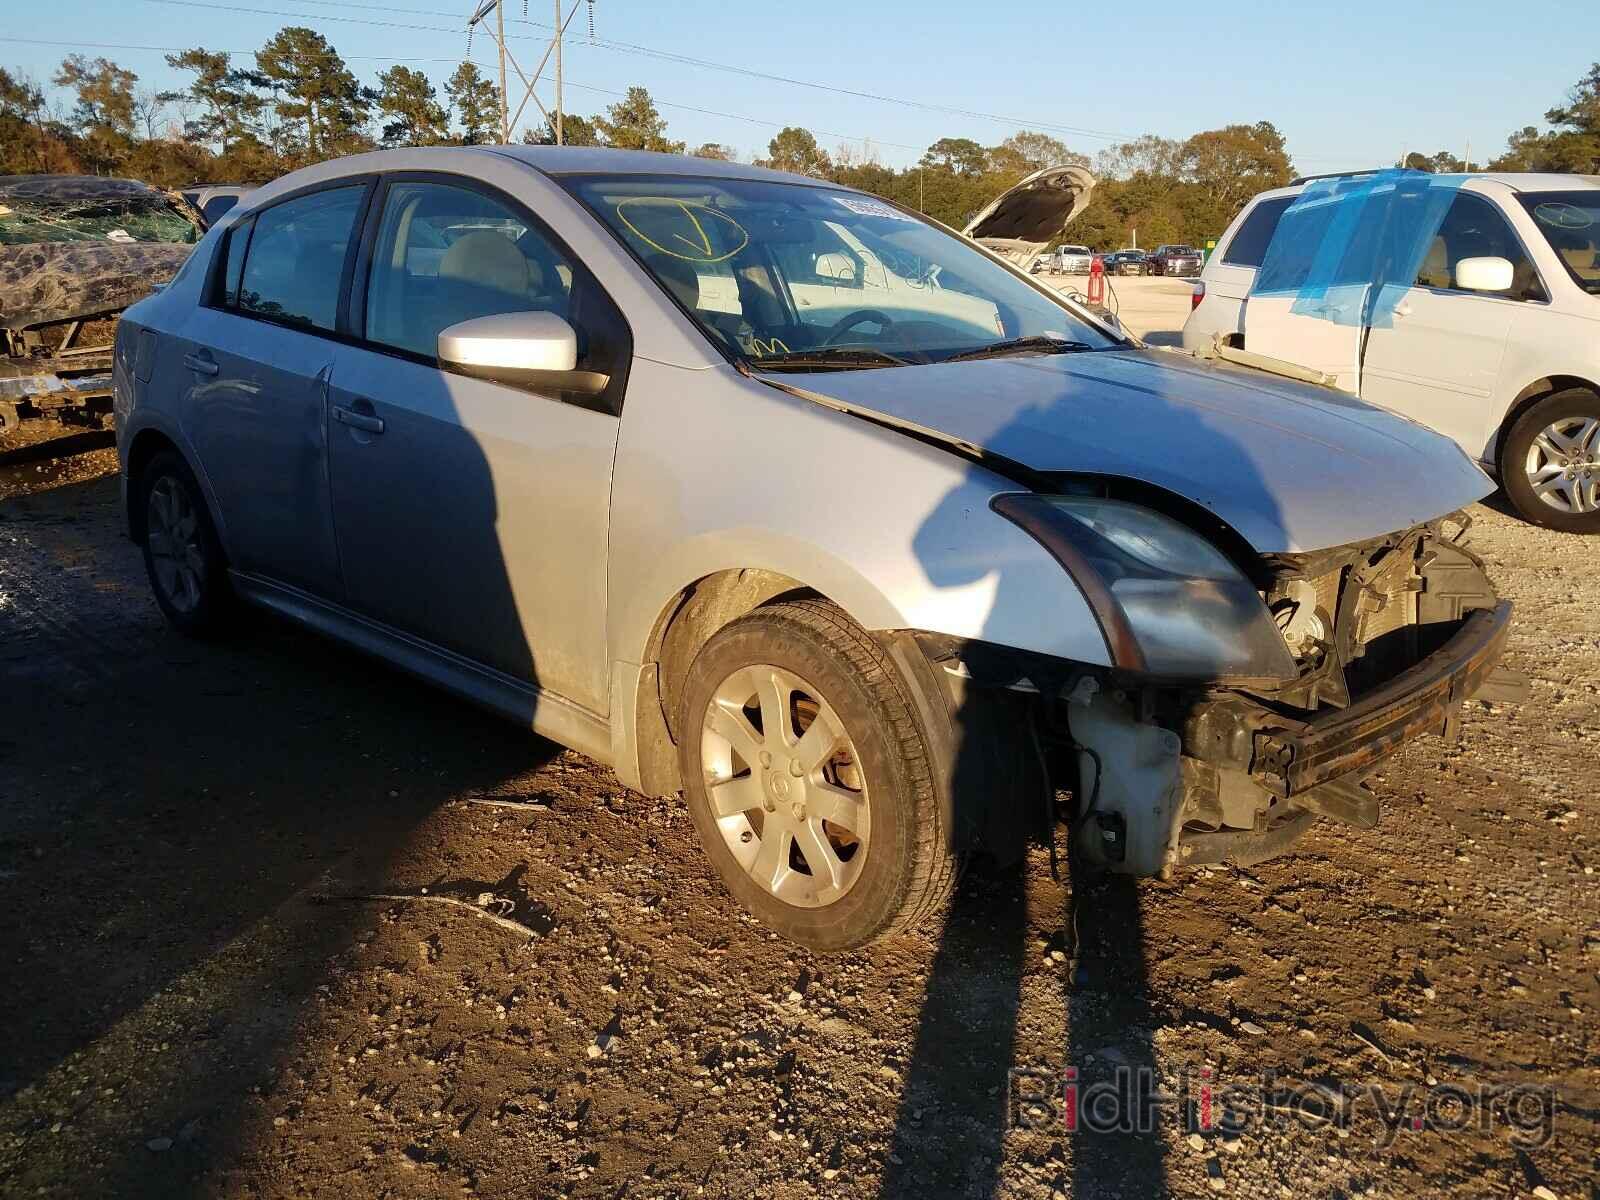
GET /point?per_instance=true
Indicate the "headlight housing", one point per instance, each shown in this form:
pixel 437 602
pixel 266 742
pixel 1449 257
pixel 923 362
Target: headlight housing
pixel 1169 602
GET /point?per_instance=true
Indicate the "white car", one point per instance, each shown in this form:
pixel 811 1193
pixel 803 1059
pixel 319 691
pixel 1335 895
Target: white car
pixel 1496 342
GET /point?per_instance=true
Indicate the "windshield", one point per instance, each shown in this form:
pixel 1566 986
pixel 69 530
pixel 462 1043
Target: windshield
pixel 1570 222
pixel 122 219
pixel 782 274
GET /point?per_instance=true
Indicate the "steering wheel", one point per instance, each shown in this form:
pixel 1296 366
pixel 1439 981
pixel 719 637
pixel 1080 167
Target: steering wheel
pixel 850 320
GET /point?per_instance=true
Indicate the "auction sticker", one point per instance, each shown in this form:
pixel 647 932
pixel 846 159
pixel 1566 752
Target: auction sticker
pixel 871 208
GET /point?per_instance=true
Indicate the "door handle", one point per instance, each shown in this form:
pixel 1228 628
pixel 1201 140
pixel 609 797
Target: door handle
pixel 1402 309
pixel 358 420
pixel 201 363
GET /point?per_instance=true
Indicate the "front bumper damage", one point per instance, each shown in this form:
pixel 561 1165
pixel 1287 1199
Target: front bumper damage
pixel 1393 636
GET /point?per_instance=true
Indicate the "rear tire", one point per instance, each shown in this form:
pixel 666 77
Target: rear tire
pixel 758 777
pixel 182 555
pixel 1550 462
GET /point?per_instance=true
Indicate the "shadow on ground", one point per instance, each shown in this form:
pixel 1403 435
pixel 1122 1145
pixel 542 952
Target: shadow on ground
pixel 170 810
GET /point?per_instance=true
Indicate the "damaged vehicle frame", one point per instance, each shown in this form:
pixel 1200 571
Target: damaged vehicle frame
pixel 776 494
pixel 74 251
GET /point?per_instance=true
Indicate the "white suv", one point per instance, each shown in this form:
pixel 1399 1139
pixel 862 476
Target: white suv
pixel 1495 343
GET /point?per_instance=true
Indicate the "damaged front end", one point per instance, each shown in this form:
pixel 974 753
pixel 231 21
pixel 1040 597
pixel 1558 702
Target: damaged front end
pixel 1387 637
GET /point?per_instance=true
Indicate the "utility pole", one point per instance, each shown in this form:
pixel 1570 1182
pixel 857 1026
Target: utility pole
pixel 500 42
pixel 509 119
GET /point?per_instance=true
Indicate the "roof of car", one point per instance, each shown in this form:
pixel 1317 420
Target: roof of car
pixel 71 187
pixel 1542 181
pixel 598 160
pixel 1519 181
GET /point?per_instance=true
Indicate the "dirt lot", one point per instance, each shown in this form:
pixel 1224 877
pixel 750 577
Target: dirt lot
pixel 1152 307
pixel 193 1006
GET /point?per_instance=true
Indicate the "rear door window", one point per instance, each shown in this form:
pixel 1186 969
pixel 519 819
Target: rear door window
pixel 295 260
pixel 1249 245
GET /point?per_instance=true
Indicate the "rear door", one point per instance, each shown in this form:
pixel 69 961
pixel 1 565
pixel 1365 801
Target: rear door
pixel 1301 306
pixel 258 359
pixel 1437 358
pixel 475 514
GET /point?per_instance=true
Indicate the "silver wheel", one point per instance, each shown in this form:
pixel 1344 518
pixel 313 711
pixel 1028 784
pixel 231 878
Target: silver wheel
pixel 1563 465
pixel 172 530
pixel 785 786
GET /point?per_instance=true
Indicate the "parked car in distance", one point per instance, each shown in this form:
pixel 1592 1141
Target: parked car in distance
pixel 1073 260
pixel 1126 262
pixel 214 199
pixel 1175 261
pixel 1495 344
pixel 865 570
pixel 74 251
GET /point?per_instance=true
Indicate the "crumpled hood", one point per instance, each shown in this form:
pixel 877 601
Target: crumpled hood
pixel 53 281
pixel 1291 467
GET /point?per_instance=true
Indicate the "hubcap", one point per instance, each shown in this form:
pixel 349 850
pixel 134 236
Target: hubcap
pixel 785 785
pixel 1563 465
pixel 173 533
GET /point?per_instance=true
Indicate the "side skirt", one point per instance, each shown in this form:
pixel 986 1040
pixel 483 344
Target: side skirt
pixel 545 713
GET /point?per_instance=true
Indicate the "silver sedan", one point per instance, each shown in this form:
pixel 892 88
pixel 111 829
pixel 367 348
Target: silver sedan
pixel 781 496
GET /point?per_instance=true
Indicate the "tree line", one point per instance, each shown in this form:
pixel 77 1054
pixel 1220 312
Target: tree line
pixel 297 102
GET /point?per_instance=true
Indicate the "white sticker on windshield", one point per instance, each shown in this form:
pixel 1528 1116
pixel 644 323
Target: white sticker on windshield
pixel 871 208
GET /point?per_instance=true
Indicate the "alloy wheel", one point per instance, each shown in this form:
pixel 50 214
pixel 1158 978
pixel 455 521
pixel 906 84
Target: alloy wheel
pixel 172 529
pixel 785 786
pixel 1563 465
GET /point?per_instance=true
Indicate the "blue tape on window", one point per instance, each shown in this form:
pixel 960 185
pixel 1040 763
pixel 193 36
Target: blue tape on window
pixel 1348 248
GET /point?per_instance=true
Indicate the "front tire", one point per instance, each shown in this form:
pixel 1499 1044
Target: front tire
pixel 182 555
pixel 1550 462
pixel 809 778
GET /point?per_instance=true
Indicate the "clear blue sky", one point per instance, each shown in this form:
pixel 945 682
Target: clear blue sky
pixel 1349 84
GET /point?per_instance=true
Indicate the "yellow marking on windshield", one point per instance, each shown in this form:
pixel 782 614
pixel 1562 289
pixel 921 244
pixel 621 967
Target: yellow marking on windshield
pixel 762 349
pixel 704 251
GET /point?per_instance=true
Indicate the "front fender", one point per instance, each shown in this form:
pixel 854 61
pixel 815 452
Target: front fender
pixel 729 474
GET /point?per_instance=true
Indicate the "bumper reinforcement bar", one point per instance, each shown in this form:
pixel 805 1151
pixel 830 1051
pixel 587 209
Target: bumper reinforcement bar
pixel 1292 757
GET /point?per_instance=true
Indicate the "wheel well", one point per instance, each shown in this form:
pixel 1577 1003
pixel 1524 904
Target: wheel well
pixel 687 623
pixel 146 445
pixel 1528 397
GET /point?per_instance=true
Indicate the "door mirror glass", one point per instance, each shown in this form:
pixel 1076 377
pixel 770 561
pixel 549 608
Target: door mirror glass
pixel 530 349
pixel 835 267
pixel 1484 274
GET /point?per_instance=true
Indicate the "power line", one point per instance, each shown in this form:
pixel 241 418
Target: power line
pixel 673 57
pixel 709 112
pixel 645 51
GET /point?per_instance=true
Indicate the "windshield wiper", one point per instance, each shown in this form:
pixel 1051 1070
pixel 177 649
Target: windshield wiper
pixel 836 358
pixel 1034 344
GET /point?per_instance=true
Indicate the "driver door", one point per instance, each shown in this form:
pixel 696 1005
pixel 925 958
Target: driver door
pixel 472 514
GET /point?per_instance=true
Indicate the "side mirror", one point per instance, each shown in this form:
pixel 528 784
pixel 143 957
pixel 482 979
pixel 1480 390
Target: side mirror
pixel 536 350
pixel 835 266
pixel 1484 274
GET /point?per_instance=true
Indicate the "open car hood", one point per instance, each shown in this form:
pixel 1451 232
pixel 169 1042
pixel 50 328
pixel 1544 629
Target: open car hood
pixel 1290 467
pixel 1023 220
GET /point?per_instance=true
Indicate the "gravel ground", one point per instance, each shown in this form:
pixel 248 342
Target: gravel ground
pixel 197 1004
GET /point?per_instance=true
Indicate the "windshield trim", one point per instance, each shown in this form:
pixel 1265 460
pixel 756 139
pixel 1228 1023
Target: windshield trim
pixel 1119 338
pixel 1579 197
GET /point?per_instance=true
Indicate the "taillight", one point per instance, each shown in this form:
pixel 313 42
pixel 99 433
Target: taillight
pixel 1197 295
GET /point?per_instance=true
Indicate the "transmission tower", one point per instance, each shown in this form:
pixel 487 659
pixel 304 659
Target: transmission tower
pixel 482 9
